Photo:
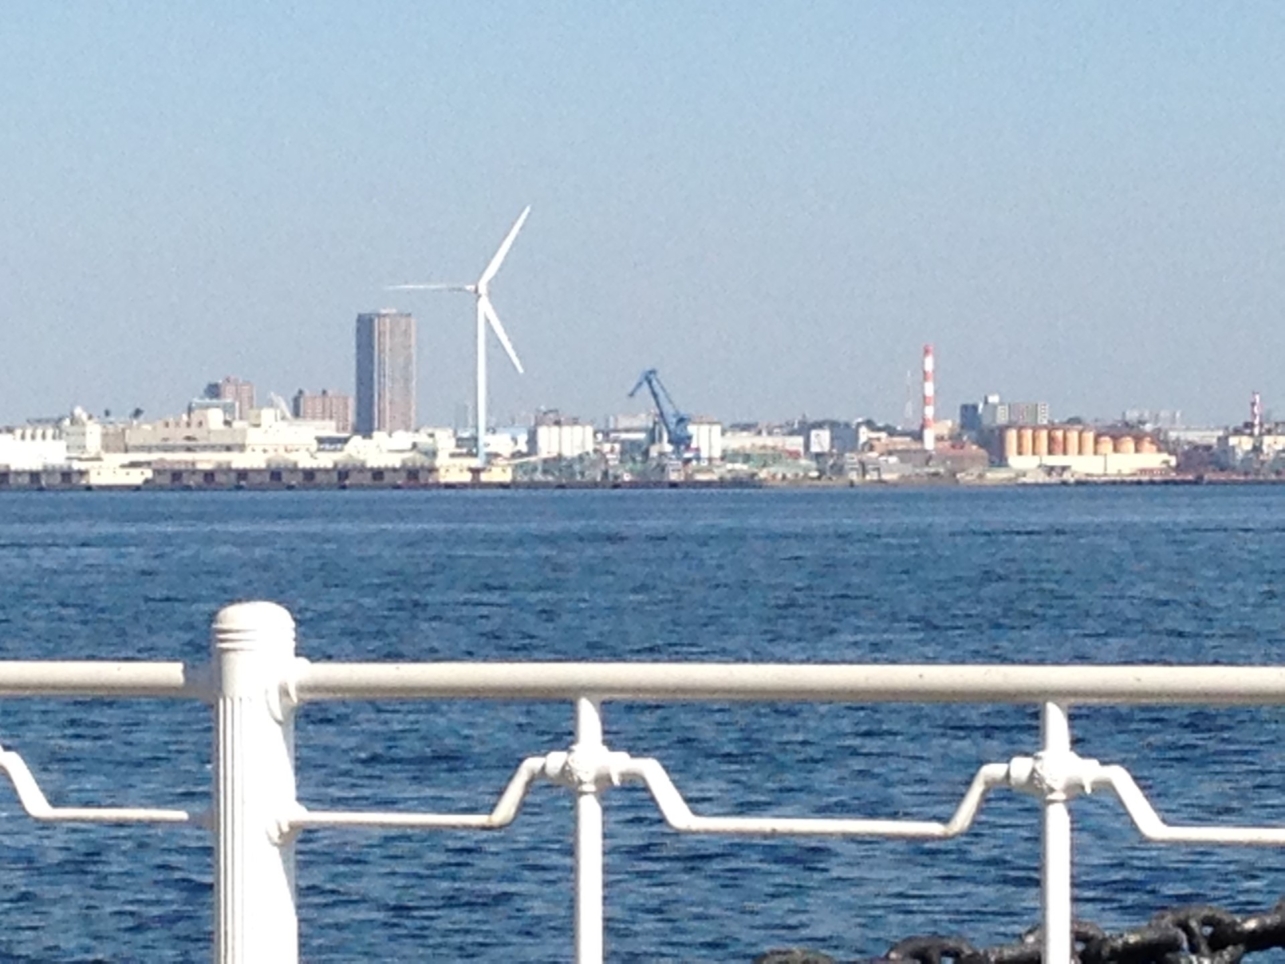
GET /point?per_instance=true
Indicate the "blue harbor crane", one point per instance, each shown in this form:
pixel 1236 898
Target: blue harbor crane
pixel 675 422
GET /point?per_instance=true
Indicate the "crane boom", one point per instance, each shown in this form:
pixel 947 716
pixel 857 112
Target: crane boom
pixel 675 422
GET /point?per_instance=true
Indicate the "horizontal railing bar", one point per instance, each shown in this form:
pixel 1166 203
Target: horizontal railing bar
pixel 36 805
pixel 1148 822
pixel 680 682
pixel 679 815
pixel 785 682
pixel 101 678
pixel 505 811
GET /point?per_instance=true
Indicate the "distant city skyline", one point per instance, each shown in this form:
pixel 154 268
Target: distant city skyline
pixel 777 207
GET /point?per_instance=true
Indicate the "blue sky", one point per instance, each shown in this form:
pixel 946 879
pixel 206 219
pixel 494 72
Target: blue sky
pixel 775 204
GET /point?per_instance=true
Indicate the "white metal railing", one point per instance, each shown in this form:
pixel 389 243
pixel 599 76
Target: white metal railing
pixel 255 682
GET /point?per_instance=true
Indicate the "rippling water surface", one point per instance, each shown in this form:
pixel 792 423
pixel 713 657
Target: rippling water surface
pixel 1026 575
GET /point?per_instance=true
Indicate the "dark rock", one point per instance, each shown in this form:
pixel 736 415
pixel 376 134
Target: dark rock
pixel 794 955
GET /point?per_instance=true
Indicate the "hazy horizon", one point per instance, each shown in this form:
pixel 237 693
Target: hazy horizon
pixel 775 205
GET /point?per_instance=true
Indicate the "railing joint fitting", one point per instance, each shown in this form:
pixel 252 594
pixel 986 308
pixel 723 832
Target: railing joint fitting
pixel 586 769
pixel 285 829
pixel 283 699
pixel 1054 775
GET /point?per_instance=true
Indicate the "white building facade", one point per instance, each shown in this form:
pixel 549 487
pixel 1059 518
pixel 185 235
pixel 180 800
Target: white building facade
pixel 32 447
pixel 707 439
pixel 562 441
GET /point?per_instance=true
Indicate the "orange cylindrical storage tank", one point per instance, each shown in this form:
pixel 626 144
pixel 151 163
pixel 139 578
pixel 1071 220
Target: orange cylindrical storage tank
pixel 1025 443
pixel 1071 445
pixel 1088 438
pixel 1147 445
pixel 1057 441
pixel 1041 441
pixel 1105 445
pixel 1125 445
pixel 1010 443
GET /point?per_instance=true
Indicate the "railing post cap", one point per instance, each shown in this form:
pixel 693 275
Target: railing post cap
pixel 257 625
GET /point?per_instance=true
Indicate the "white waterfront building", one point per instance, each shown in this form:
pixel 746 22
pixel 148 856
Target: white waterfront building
pixel 206 436
pixel 707 439
pixel 562 440
pixel 762 442
pixel 33 447
pixel 1238 449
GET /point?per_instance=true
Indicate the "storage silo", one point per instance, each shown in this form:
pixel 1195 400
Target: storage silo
pixel 1057 441
pixel 1025 443
pixel 1088 438
pixel 1010 443
pixel 1147 445
pixel 1071 445
pixel 1125 445
pixel 1105 445
pixel 1041 441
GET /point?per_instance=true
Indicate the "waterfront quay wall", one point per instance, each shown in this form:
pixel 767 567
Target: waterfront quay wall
pixel 294 478
pixel 291 477
pixel 284 477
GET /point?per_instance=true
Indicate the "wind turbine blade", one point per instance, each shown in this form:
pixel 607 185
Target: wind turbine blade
pixel 489 310
pixel 428 288
pixel 503 251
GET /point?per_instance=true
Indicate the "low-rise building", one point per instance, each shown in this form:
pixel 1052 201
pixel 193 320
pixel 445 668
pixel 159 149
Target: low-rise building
pixel 32 447
pixel 110 475
pixel 1240 450
pixel 84 436
pixel 561 440
pixel 508 443
pixel 992 413
pixel 461 471
pixel 707 439
pixel 793 446
pixel 206 437
pixel 237 391
pixel 385 450
pixel 324 406
pixel 1107 464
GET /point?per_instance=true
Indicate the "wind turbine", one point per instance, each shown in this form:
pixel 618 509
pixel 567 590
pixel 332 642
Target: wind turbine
pixel 485 315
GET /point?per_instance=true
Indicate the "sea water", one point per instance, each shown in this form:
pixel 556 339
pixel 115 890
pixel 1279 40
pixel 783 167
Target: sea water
pixel 1039 574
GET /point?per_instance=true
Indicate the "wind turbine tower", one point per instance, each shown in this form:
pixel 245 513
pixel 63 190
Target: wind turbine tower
pixel 481 290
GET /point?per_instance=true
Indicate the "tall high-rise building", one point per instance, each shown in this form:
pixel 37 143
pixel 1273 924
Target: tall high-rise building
pixel 324 407
pixel 385 372
pixel 240 393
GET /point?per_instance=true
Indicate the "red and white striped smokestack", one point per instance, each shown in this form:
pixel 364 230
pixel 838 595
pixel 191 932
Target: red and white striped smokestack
pixel 1256 414
pixel 930 405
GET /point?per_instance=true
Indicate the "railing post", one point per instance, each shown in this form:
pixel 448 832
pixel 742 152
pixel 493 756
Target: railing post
pixel 589 942
pixel 1055 732
pixel 254 786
